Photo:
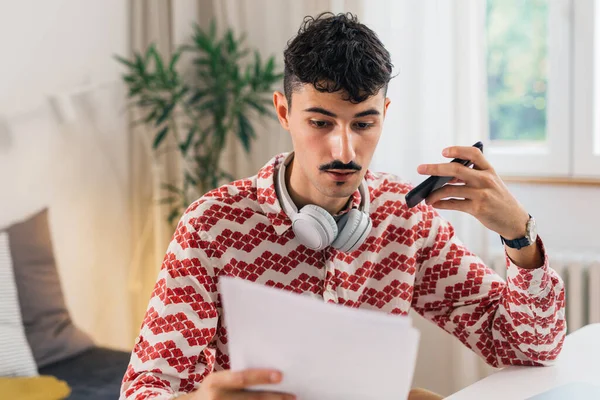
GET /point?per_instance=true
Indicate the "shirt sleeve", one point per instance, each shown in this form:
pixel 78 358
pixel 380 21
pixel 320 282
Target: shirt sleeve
pixel 173 352
pixel 520 321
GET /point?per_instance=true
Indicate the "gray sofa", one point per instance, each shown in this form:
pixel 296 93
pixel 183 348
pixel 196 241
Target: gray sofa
pixel 94 374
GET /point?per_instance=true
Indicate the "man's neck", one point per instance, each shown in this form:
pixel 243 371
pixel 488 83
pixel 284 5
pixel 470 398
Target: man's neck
pixel 332 205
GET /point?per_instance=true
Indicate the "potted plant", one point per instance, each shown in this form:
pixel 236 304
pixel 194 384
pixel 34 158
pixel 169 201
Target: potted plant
pixel 225 90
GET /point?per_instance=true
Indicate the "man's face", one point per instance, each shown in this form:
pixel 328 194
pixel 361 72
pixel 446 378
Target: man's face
pixel 333 140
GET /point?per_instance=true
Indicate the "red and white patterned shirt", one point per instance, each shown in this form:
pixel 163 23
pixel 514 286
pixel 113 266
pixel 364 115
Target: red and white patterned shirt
pixel 411 258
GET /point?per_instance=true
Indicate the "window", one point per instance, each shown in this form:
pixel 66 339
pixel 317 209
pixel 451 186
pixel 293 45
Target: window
pixel 516 59
pixel 586 107
pixel 596 72
pixel 528 89
pixel 521 75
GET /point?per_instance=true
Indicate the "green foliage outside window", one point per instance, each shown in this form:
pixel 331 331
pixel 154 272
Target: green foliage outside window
pixel 517 63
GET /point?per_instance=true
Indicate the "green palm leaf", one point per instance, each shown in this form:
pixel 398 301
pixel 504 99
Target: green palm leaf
pixel 218 96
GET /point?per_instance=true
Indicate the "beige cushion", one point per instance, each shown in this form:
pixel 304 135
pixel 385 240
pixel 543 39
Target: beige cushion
pixel 48 326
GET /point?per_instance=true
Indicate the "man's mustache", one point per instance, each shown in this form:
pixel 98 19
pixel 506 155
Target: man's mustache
pixel 340 165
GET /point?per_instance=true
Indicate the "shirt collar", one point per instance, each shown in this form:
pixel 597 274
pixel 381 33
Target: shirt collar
pixel 269 202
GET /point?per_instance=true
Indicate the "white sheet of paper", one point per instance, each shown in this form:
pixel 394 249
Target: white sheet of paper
pixel 325 351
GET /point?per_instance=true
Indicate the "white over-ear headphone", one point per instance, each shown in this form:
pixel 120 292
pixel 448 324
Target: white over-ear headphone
pixel 315 228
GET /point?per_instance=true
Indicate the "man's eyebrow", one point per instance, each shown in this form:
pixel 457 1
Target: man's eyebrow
pixel 323 111
pixel 370 111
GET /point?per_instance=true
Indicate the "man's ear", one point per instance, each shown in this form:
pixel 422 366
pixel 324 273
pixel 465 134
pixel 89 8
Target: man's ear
pixel 281 108
pixel 386 105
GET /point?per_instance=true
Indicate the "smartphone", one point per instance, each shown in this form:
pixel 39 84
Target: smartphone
pixel 424 189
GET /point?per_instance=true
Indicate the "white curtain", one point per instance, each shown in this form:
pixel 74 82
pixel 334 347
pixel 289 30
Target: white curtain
pixel 150 22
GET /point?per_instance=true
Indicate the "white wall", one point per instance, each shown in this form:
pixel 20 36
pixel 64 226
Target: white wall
pixel 567 216
pixel 77 168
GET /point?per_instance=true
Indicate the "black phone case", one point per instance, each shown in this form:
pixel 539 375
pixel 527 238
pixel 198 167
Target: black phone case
pixel 424 189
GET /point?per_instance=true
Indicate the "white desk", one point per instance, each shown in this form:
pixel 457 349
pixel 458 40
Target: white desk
pixel 579 361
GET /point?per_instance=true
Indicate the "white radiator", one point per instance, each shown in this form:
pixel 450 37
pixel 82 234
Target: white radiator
pixel 581 274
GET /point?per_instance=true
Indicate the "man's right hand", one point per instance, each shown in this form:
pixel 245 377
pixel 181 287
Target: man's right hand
pixel 228 384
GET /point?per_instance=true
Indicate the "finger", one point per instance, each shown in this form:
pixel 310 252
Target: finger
pixel 455 181
pixel 259 395
pixel 454 204
pixel 454 170
pixel 468 153
pixel 463 192
pixel 242 379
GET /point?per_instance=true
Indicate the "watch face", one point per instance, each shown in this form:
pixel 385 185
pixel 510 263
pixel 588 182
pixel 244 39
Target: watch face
pixel 531 230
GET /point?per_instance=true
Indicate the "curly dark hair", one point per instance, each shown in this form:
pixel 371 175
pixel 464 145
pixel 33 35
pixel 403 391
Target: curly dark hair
pixel 336 52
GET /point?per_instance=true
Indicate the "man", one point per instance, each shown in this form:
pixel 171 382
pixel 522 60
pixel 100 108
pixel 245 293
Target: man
pixel 354 240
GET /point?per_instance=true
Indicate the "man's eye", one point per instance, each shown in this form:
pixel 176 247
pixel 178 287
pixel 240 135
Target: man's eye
pixel 363 125
pixel 319 124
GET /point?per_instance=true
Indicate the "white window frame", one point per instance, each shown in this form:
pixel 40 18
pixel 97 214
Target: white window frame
pixel 552 157
pixel 586 85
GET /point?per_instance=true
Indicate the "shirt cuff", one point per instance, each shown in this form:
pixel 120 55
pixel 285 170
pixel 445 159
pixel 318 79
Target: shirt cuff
pixel 530 281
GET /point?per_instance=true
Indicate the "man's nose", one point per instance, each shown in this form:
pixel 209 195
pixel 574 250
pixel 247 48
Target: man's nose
pixel 342 148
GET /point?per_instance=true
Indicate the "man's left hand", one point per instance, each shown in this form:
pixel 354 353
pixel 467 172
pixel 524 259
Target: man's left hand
pixel 478 191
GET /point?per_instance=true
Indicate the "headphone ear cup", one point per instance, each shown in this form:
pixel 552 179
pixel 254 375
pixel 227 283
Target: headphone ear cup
pixel 314 227
pixel 346 227
pixel 361 236
pixel 353 230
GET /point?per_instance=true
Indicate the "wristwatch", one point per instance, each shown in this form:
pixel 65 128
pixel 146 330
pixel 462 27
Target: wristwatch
pixel 529 238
